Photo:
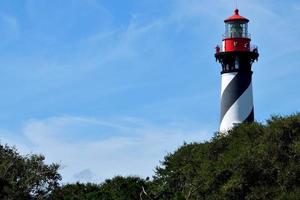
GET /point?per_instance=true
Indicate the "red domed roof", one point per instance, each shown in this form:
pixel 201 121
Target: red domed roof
pixel 236 17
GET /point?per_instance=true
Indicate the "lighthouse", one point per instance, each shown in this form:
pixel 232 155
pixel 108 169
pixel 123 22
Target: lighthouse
pixel 236 56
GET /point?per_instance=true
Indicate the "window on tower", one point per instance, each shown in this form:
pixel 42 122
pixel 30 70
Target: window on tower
pixel 236 29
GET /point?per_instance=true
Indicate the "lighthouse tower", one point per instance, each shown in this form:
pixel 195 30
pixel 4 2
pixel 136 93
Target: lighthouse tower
pixel 236 56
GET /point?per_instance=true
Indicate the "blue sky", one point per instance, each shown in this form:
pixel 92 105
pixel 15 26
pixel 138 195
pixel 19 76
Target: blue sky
pixel 107 87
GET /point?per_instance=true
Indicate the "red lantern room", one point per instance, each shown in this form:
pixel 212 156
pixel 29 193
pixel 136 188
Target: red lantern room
pixel 236 52
pixel 236 36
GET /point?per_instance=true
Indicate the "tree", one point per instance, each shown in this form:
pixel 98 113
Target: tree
pixel 77 191
pixel 25 177
pixel 253 161
pixel 118 188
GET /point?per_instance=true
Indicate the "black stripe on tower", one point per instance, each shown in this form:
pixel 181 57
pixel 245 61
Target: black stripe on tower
pixel 250 118
pixel 234 90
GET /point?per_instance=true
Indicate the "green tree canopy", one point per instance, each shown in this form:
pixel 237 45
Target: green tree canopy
pixel 253 161
pixel 118 188
pixel 25 177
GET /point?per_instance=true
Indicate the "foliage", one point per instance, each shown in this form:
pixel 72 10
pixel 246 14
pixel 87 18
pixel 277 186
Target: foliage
pixel 77 191
pixel 251 162
pixel 118 188
pixel 25 177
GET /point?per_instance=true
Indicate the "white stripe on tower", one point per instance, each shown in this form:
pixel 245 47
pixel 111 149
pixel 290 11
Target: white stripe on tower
pixel 226 79
pixel 237 99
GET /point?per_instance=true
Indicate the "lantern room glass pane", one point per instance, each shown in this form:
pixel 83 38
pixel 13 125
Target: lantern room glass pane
pixel 236 30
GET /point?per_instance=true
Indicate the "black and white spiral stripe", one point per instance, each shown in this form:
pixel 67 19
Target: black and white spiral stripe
pixel 236 99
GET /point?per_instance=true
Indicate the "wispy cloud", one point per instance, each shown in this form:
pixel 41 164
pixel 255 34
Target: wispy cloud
pixel 95 149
